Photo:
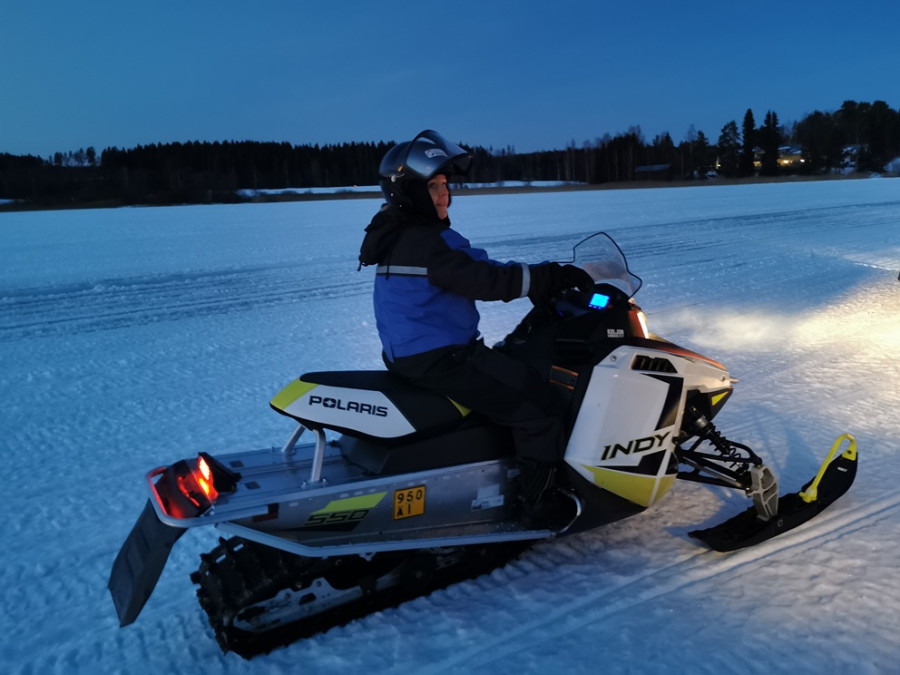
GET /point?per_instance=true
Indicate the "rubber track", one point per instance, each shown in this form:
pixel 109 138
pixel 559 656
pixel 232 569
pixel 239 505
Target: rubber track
pixel 239 573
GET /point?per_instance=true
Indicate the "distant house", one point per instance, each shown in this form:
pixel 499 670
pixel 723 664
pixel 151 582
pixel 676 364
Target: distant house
pixel 790 157
pixel 850 155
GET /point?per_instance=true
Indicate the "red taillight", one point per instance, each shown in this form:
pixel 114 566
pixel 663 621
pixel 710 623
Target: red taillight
pixel 198 484
pixel 189 488
pixel 204 477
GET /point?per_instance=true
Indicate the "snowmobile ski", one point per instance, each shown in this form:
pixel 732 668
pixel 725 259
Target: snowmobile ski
pixel 834 478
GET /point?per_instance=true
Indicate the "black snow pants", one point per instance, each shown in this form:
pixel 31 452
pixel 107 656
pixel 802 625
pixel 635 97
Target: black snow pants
pixel 507 391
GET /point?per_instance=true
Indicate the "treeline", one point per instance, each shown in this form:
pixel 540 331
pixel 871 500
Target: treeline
pixel 860 136
pixel 193 172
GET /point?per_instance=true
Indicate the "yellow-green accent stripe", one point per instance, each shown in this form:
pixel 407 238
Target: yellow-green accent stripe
pixel 719 397
pixel 633 487
pixel 464 411
pixel 291 393
pixel 353 503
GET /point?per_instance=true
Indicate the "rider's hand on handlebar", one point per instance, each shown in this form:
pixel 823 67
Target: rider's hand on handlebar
pixel 548 280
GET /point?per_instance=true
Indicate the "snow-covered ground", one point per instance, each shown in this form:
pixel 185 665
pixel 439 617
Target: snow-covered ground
pixel 130 338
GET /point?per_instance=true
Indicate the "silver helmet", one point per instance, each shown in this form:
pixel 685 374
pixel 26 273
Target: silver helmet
pixel 408 166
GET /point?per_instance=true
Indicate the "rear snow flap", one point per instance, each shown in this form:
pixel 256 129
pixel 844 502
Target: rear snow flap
pixel 139 563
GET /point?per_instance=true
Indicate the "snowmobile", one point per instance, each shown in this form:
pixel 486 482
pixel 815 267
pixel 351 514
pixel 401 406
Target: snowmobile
pixel 402 491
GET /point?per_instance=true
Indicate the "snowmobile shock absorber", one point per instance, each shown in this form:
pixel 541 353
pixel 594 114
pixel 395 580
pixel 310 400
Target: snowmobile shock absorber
pixel 731 463
pixel 728 449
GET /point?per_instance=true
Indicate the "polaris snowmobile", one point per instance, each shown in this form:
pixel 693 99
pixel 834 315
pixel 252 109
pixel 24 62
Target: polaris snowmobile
pixel 409 491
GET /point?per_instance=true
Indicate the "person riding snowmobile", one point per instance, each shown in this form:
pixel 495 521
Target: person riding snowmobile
pixel 428 278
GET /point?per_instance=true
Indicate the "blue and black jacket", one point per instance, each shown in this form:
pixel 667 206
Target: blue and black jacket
pixel 428 278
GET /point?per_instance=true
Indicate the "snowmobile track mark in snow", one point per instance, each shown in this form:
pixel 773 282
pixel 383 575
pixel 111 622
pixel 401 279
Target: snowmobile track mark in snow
pixel 692 568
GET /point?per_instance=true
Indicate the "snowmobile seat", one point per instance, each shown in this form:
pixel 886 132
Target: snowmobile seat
pixel 389 425
pixel 367 403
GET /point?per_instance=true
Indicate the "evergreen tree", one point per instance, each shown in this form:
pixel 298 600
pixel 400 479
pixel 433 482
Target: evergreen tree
pixel 748 146
pixel 701 155
pixel 881 131
pixel 729 148
pixel 663 150
pixel 850 120
pixel 769 137
pixel 820 139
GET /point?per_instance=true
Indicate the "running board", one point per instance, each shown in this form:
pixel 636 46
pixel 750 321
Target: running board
pixel 487 533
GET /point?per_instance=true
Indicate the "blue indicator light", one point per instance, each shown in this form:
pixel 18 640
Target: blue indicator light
pixel 599 301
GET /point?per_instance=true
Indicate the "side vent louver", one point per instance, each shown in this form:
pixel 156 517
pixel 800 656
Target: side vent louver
pixel 655 364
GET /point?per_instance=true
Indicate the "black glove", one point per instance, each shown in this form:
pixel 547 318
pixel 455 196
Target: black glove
pixel 575 277
pixel 548 280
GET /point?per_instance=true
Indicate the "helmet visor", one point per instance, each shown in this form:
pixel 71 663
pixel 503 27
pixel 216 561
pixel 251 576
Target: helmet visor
pixel 429 153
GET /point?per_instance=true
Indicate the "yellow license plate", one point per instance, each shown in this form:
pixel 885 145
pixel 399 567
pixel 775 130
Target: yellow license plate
pixel 409 502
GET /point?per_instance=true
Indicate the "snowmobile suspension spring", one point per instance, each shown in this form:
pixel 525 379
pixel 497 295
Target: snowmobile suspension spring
pixel 730 450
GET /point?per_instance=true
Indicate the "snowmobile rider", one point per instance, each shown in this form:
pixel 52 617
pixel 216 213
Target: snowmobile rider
pixel 428 278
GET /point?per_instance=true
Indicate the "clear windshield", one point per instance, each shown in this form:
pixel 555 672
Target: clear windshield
pixel 602 258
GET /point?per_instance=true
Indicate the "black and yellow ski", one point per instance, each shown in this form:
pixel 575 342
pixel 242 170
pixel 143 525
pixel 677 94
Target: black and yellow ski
pixel 834 478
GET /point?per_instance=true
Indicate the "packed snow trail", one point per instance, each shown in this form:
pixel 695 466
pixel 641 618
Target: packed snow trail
pixel 694 572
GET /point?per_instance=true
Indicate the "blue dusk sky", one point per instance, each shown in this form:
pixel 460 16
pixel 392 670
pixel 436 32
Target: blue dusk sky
pixel 530 75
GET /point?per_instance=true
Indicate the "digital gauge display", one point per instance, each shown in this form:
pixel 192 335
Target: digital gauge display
pixel 598 301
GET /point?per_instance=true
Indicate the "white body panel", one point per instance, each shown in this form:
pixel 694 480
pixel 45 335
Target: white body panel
pixel 624 437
